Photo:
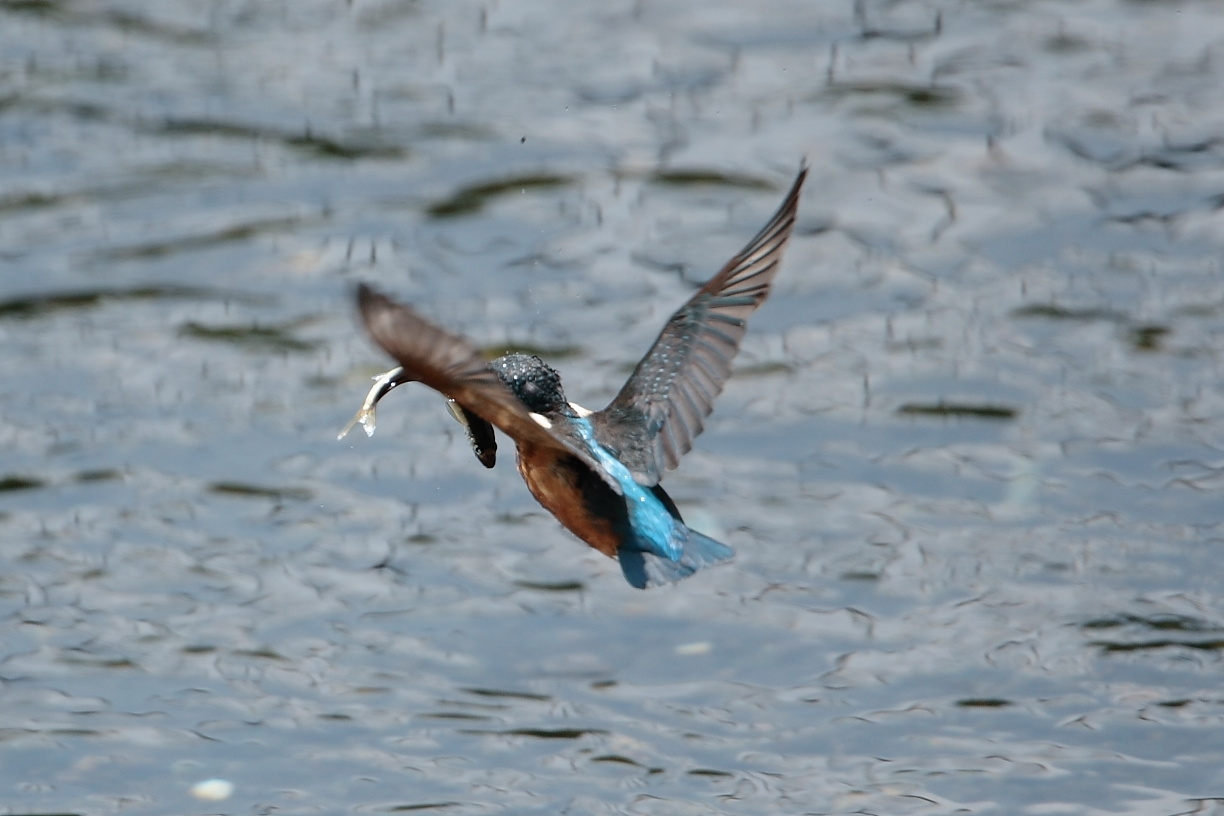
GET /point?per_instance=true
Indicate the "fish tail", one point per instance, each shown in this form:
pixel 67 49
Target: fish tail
pixel 644 569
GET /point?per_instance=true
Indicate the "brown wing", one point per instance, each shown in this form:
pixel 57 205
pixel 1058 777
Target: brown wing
pixel 451 365
pixel 660 410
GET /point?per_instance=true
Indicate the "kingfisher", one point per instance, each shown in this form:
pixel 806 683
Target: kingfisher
pixel 597 472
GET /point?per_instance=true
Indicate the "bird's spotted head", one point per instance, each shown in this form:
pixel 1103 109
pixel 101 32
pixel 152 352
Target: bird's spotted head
pixel 534 382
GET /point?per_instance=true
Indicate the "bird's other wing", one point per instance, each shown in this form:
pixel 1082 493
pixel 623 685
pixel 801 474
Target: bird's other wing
pixel 660 410
pixel 452 366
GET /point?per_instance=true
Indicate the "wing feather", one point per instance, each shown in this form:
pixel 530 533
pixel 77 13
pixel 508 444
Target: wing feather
pixel 449 364
pixel 673 388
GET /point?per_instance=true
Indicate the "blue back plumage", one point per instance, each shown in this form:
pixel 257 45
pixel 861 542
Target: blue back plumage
pixel 658 548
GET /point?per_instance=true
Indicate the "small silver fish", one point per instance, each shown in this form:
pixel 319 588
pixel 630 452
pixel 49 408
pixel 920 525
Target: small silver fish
pixel 383 383
pixel 479 432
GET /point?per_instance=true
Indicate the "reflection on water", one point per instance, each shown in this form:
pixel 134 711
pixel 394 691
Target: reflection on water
pixel 969 459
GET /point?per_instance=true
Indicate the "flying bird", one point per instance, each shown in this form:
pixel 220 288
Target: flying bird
pixel 598 472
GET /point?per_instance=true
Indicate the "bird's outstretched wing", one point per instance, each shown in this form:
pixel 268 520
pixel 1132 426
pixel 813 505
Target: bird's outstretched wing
pixel 660 410
pixel 452 366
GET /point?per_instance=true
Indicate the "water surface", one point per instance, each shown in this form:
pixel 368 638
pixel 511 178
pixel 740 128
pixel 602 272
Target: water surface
pixel 969 459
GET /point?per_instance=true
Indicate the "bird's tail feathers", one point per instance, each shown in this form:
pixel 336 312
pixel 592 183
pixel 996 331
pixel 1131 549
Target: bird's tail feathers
pixel 646 569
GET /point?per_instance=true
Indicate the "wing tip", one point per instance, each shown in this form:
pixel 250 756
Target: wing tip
pixel 369 298
pixel 791 202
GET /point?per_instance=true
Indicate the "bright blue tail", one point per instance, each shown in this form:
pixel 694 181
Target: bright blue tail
pixel 646 569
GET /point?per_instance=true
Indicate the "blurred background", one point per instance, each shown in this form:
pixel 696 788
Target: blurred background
pixel 969 459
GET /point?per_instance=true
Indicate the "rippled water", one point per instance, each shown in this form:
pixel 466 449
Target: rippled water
pixel 969 460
